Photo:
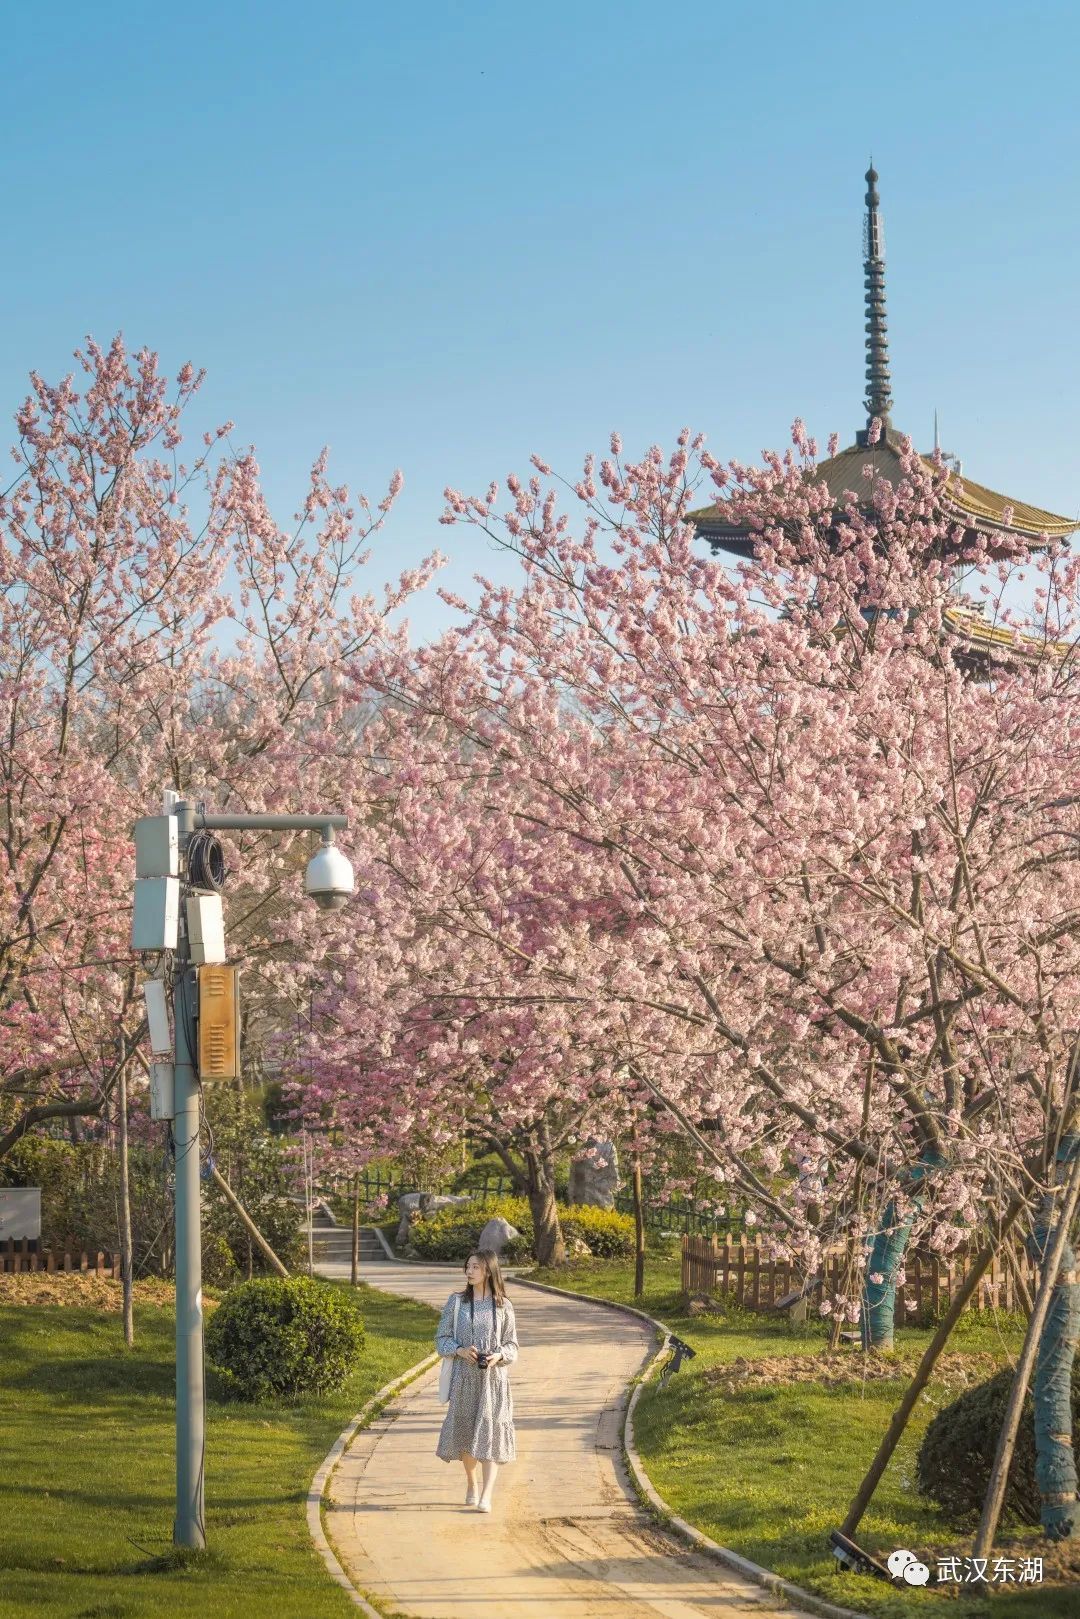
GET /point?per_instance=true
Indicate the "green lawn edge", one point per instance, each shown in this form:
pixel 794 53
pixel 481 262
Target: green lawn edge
pixel 766 1473
pixel 86 1471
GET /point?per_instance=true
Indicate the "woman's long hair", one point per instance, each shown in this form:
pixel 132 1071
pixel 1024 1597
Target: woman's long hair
pixel 490 1260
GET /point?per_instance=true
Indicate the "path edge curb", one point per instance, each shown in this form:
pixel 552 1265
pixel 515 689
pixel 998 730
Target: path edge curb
pixel 654 1502
pixel 367 1411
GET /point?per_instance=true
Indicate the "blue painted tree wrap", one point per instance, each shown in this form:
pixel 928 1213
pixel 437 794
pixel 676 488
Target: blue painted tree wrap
pixel 1055 1463
pixel 885 1258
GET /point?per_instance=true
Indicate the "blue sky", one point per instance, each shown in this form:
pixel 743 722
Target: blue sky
pixel 442 237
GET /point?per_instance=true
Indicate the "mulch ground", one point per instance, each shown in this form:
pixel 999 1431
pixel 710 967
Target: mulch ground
pixel 831 1369
pixel 80 1288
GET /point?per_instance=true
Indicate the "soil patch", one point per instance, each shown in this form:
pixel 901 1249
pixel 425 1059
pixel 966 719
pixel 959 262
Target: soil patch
pixel 832 1369
pixel 95 1292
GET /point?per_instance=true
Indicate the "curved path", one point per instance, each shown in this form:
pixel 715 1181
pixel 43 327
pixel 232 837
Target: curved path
pixel 566 1536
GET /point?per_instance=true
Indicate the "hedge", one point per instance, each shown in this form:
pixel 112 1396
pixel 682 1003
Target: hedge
pixel 275 1337
pixel 453 1233
pixel 957 1451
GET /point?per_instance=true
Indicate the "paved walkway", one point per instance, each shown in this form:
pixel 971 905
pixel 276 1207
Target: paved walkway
pixel 565 1537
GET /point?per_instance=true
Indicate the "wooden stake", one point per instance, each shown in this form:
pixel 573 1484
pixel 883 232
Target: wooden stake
pixel 979 1266
pixel 995 1490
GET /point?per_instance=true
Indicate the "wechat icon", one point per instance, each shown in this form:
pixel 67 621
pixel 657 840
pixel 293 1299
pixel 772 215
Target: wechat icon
pixel 905 1563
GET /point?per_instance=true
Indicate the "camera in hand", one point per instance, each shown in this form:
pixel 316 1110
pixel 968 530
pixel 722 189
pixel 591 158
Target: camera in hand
pixel 484 1360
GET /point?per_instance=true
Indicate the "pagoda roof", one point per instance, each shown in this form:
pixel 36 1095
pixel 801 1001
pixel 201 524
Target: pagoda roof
pixel 856 469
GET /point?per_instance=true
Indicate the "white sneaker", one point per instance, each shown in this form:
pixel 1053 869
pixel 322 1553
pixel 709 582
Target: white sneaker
pixel 472 1495
pixel 483 1506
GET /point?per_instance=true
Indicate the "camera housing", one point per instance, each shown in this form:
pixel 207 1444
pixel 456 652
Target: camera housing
pixel 329 878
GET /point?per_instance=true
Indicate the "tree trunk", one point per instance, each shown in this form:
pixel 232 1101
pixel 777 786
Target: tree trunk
pixel 980 1265
pixel 548 1244
pixel 1055 1464
pixel 639 1233
pixel 885 1259
pixel 1064 1511
pixel 355 1230
pixel 126 1263
pixel 245 1219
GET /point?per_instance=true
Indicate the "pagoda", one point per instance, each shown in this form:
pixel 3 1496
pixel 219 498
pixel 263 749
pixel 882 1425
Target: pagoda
pixel 982 511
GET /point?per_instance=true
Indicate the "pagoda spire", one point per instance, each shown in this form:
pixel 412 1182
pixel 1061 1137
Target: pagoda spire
pixel 878 396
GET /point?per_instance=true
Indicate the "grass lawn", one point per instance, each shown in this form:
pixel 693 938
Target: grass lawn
pixel 86 1472
pixel 769 1470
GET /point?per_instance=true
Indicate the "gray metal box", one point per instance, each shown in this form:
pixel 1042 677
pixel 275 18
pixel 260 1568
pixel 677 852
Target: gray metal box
pixel 157 846
pixel 162 1091
pixel 155 920
pixel 157 1017
pixel 206 929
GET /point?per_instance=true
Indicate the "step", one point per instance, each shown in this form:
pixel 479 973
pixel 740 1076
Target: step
pixel 342 1251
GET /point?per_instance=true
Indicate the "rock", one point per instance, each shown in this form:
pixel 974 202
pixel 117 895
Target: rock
pixel 577 1248
pixel 497 1233
pixel 416 1205
pixel 408 1208
pixel 595 1179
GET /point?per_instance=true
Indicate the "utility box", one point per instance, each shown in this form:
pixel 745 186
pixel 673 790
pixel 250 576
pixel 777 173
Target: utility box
pixel 157 846
pixel 156 919
pixel 219 1023
pixel 157 1017
pixel 162 1090
pixel 206 929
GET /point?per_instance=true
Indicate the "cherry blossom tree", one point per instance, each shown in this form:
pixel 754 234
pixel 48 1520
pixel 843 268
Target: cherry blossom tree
pixel 768 840
pixel 157 628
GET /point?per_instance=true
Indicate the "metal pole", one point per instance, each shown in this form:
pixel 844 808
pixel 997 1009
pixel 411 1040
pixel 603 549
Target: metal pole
pixel 270 823
pixel 189 1526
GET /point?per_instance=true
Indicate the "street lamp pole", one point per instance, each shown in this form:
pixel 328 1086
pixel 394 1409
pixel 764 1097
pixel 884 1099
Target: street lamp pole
pixel 189 1526
pixel 328 881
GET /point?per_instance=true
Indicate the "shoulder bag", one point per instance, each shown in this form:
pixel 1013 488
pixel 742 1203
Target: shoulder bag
pixel 446 1370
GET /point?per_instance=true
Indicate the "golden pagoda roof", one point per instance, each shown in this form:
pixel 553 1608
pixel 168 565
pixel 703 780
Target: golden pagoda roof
pixel 984 636
pixel 847 471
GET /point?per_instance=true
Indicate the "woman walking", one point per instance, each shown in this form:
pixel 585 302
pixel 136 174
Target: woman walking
pixel 478 1335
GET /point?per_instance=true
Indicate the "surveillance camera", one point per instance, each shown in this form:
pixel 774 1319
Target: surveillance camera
pixel 329 878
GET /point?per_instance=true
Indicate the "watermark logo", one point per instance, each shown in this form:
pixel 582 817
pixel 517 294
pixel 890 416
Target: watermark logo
pixel 967 1570
pixel 907 1564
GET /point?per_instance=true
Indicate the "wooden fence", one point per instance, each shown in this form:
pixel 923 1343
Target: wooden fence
pixel 758 1282
pixel 19 1257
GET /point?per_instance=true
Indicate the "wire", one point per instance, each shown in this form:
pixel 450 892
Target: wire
pixel 206 861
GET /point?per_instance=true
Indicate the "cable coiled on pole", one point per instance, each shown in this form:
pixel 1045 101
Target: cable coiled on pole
pixel 206 862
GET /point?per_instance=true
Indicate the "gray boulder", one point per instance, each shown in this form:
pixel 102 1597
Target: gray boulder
pixel 414 1206
pixel 408 1207
pixel 497 1233
pixel 595 1179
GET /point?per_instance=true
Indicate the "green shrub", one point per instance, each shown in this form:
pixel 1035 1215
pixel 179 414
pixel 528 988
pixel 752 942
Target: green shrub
pixel 258 1168
pixel 79 1189
pixel 273 1337
pixel 218 1260
pixel 607 1234
pixel 452 1234
pixel 474 1175
pixel 957 1451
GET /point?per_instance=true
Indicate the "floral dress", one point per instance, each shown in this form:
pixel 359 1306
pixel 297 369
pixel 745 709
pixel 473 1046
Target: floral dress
pixel 480 1416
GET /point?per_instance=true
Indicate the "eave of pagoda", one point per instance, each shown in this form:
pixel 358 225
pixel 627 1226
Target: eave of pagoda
pixel 855 471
